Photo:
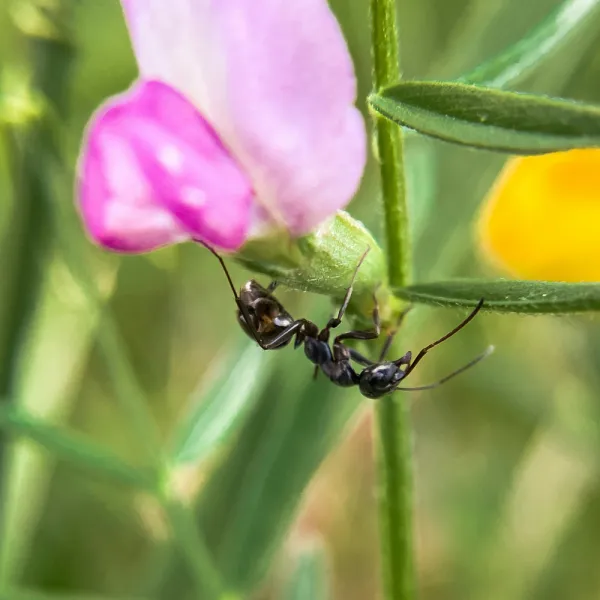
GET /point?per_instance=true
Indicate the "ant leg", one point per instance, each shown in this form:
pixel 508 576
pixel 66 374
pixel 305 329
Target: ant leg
pixel 359 358
pixel 335 321
pixel 387 345
pixel 316 372
pixel 362 334
pixel 424 351
pixel 241 307
pixel 390 338
pixel 343 352
pixel 287 334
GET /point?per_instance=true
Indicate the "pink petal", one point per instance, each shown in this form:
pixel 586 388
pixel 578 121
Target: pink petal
pixel 276 81
pixel 153 172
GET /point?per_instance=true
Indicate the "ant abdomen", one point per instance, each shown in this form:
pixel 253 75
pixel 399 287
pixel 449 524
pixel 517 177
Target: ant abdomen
pixel 268 318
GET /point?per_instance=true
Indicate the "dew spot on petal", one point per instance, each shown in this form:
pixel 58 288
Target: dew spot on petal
pixel 171 159
pixel 119 217
pixel 193 197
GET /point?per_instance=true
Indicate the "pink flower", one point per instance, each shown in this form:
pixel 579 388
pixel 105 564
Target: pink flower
pixel 243 119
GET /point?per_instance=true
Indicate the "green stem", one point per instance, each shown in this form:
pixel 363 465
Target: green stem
pixel 394 463
pixel 390 145
pixel 194 550
pixel 27 245
pixel 30 230
pixel 24 258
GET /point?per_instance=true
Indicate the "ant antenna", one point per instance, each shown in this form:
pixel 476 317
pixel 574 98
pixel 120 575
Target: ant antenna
pixel 470 364
pixel 462 324
pixel 218 257
pixel 335 321
pixel 243 309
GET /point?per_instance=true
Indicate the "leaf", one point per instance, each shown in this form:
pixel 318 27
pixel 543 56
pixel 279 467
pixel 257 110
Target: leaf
pixel 220 410
pixel 59 348
pixel 421 169
pixel 516 61
pixel 248 506
pixel 252 497
pixel 75 449
pixel 309 578
pixel 489 118
pixel 528 297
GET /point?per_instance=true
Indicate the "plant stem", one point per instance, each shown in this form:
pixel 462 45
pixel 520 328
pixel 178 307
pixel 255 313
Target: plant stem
pixel 390 145
pixel 193 548
pixel 394 464
pixel 29 234
pixel 394 467
pixel 24 253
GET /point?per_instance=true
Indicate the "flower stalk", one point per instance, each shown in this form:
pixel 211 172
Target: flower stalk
pixel 30 230
pixel 393 445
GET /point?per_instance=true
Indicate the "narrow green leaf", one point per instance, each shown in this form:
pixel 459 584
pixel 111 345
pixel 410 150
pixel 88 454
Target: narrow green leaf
pixel 516 61
pixel 75 449
pixel 489 118
pixel 217 412
pixel 248 506
pixel 529 297
pixel 194 551
pixel 309 578
pixel 421 167
pixel 251 499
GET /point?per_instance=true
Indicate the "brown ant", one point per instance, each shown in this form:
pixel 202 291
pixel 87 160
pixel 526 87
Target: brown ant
pixel 265 320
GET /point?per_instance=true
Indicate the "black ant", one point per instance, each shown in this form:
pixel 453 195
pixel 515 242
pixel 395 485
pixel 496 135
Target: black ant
pixel 265 320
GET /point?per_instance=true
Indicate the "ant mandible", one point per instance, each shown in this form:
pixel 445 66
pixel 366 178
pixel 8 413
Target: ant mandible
pixel 265 320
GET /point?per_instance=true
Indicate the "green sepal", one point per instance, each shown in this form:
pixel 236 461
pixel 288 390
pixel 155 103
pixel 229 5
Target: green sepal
pixel 324 261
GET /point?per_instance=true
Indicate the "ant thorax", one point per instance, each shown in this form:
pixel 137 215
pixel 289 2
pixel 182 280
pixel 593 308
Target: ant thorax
pixel 337 368
pixel 317 351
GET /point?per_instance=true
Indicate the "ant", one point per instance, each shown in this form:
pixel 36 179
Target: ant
pixel 265 320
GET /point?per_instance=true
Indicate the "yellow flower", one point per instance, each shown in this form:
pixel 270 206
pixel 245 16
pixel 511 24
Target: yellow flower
pixel 541 219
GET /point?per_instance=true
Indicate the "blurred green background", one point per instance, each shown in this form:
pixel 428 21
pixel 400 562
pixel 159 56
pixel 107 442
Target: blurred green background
pixel 507 457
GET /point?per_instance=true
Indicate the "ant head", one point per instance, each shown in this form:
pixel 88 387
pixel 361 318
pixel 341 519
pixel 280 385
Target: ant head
pixel 380 379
